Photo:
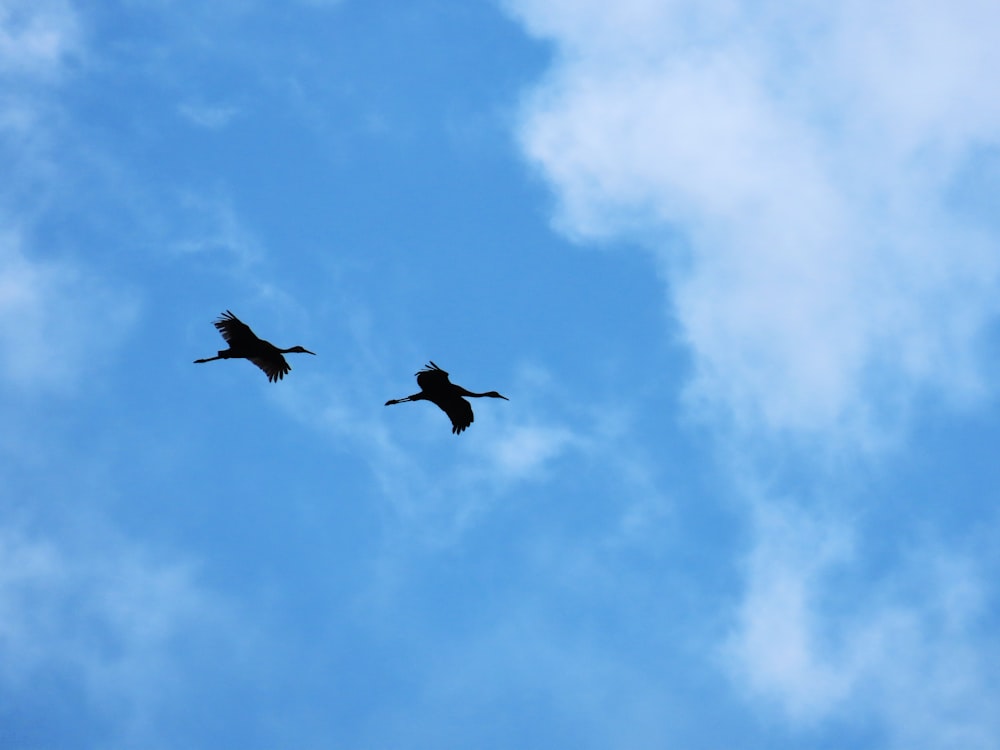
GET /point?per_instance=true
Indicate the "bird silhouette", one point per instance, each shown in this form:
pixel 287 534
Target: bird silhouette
pixel 244 344
pixel 436 388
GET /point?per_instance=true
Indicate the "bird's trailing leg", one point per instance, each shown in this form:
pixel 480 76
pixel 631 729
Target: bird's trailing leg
pixel 392 401
pixel 224 354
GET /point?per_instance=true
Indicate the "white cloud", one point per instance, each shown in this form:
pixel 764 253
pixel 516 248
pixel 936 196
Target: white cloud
pixel 779 648
pixel 435 494
pixel 59 322
pixel 909 651
pixel 437 485
pixel 37 37
pixel 210 116
pixel 524 450
pixel 796 171
pixel 213 225
pixel 105 616
pixel 37 42
pixel 805 155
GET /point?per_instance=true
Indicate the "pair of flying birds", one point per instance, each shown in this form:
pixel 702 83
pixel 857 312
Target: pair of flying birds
pixel 433 381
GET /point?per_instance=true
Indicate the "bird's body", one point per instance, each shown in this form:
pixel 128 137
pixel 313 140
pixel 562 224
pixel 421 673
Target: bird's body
pixel 244 344
pixel 436 388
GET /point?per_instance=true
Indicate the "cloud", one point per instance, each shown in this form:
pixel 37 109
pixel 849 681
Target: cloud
pixel 437 486
pixel 37 38
pixel 38 41
pixel 798 173
pixel 820 637
pixel 216 227
pixel 796 183
pixel 107 617
pixel 778 646
pixel 59 321
pixel 210 116
pixel 43 586
pixel 434 498
pixel 524 450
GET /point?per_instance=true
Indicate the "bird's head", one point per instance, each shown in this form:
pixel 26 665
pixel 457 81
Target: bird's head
pixel 300 350
pixel 494 394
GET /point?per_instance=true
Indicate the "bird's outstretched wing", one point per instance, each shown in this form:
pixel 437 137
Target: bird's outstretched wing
pixel 274 367
pixel 432 378
pixel 459 411
pixel 234 330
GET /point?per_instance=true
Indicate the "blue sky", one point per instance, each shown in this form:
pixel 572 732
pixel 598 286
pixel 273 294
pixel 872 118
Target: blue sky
pixel 736 266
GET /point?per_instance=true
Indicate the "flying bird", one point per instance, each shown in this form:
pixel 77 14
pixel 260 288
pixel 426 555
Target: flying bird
pixel 436 388
pixel 244 344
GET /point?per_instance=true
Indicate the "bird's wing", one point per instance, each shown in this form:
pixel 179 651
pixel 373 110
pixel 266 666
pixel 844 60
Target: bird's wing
pixel 459 411
pixel 275 367
pixel 432 378
pixel 234 330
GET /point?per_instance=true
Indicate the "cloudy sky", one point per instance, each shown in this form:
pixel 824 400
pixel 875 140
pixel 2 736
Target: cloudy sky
pixel 735 264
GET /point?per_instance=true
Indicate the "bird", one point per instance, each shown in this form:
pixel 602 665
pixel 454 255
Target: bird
pixel 436 388
pixel 243 343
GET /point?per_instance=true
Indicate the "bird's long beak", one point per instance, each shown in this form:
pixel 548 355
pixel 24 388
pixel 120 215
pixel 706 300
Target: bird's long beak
pixel 504 397
pixel 308 352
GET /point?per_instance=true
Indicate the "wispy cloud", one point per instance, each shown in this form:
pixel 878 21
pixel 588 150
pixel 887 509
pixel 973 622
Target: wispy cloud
pixel 38 41
pixel 213 225
pixel 780 644
pixel 430 497
pixel 105 616
pixel 211 116
pixel 911 651
pixel 37 38
pixel 438 486
pixel 59 321
pixel 524 450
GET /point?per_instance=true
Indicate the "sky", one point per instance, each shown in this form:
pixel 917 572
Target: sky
pixel 736 265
